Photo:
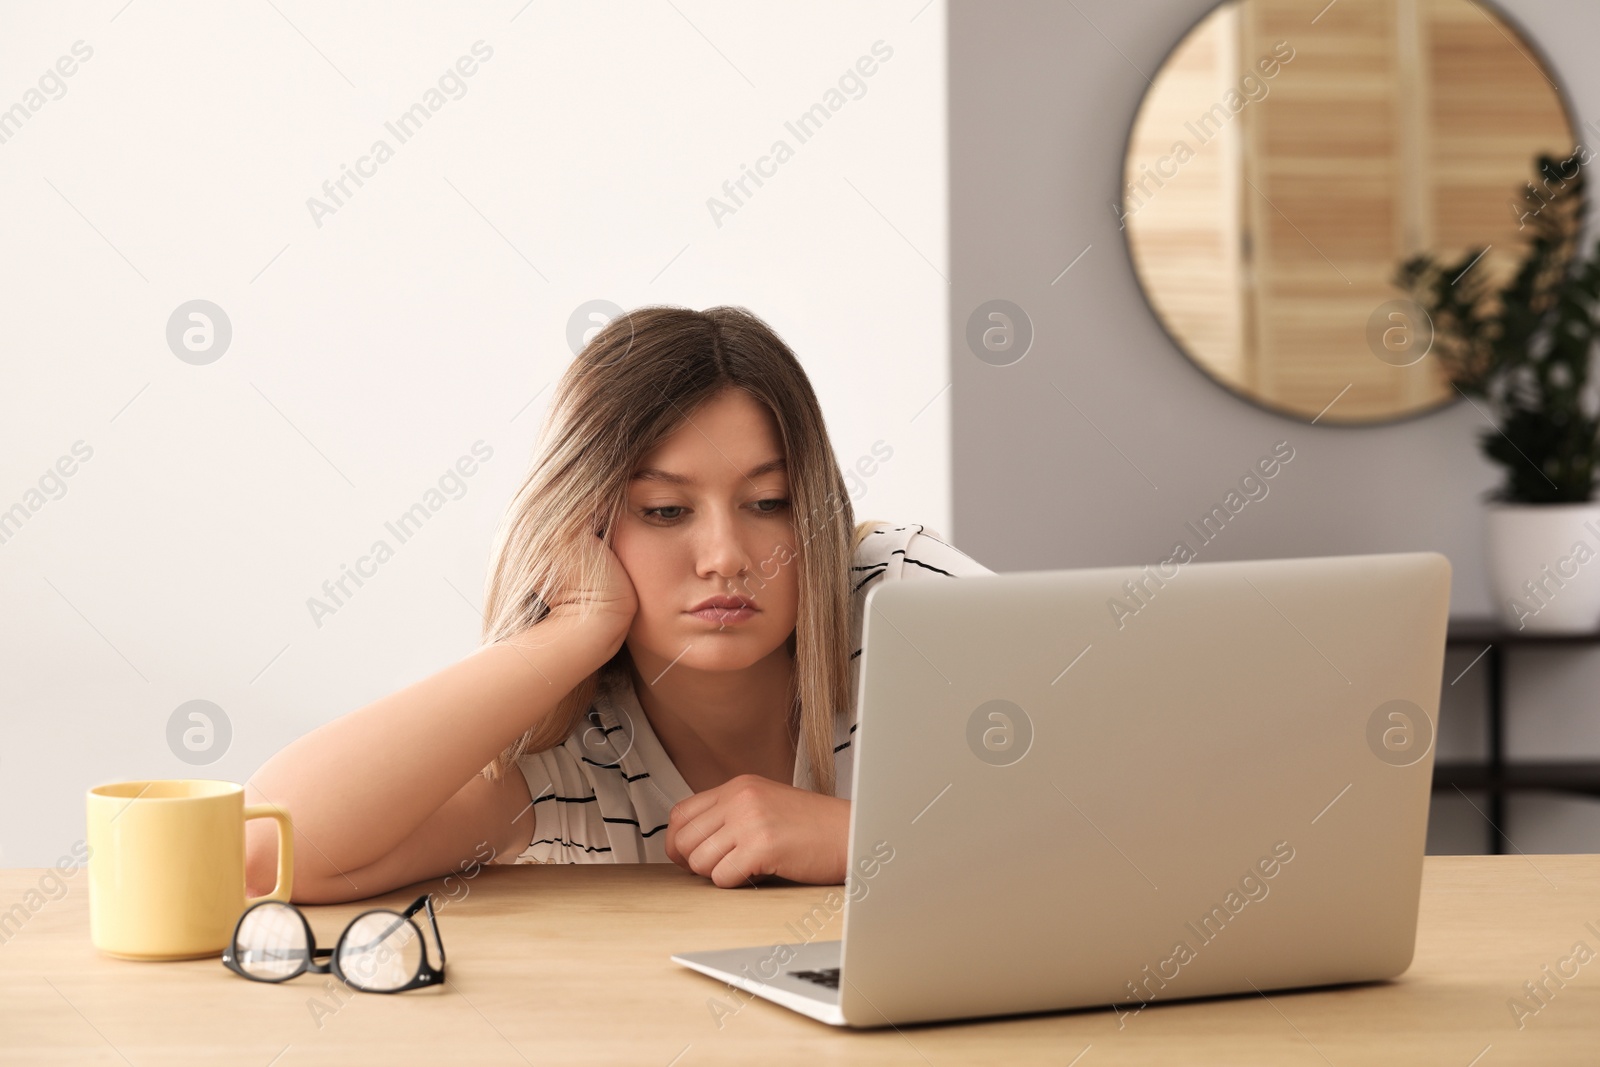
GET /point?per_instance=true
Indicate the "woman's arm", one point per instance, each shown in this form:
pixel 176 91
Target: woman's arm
pixel 394 785
pixel 485 822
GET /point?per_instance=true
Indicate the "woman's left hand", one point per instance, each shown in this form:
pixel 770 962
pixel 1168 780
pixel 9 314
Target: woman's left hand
pixel 749 827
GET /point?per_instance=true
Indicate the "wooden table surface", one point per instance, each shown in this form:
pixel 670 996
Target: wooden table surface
pixel 553 964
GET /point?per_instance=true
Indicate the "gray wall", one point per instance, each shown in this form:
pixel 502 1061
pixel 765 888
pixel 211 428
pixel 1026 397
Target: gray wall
pixel 1041 96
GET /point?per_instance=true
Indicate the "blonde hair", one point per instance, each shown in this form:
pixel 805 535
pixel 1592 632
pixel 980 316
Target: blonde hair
pixel 635 383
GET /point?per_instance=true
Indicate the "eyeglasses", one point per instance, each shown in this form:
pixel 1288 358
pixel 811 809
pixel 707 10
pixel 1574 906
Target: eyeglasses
pixel 380 951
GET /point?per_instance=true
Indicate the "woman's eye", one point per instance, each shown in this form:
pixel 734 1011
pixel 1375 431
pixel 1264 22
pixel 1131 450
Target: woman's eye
pixel 780 504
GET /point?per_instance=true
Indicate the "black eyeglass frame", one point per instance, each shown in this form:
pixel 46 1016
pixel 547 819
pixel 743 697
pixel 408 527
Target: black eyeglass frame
pixel 427 974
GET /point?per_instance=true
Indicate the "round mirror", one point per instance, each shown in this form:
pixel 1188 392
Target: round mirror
pixel 1286 160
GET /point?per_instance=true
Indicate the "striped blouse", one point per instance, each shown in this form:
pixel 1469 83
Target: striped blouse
pixel 603 794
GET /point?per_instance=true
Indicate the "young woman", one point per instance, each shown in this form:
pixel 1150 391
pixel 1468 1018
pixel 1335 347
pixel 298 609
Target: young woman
pixel 668 672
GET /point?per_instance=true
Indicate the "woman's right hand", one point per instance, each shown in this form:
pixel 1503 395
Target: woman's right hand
pixel 615 598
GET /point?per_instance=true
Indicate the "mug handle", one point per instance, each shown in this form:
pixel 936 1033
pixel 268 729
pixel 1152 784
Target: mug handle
pixel 285 884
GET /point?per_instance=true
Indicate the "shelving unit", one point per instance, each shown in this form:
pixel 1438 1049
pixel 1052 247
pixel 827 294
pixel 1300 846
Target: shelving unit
pixel 1495 775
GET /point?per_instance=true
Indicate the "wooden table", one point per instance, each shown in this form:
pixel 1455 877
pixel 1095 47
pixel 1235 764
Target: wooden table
pixel 568 964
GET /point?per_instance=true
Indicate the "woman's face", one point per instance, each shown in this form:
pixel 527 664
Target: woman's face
pixel 704 520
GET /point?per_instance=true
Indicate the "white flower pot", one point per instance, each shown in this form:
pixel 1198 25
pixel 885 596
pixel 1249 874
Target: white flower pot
pixel 1544 566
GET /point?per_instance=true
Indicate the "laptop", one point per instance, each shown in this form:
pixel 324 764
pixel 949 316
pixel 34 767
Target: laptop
pixel 1119 787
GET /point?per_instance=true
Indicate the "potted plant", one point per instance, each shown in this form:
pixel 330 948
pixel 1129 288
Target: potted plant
pixel 1524 349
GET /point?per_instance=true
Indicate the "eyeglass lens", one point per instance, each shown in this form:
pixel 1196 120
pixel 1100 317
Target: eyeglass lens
pixel 381 950
pixel 271 942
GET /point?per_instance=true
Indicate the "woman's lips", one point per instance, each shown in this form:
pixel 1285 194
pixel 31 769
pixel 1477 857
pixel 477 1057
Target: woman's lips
pixel 724 616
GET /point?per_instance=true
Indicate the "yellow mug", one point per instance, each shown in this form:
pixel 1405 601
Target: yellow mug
pixel 166 866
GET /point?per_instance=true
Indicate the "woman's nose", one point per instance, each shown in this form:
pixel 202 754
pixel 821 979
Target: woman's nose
pixel 722 550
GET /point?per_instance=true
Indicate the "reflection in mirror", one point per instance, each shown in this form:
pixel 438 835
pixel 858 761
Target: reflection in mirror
pixel 1291 153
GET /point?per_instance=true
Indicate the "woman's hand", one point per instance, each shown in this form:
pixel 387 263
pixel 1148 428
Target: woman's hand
pixel 615 598
pixel 750 827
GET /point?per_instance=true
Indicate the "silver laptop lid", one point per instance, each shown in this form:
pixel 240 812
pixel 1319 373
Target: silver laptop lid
pixel 1128 785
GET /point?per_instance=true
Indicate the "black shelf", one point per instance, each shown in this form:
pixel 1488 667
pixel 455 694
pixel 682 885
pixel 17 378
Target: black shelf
pixel 1467 630
pixel 1581 778
pixel 1494 775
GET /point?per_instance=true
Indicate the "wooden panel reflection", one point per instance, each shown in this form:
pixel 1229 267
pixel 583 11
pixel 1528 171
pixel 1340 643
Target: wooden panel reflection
pixel 1279 169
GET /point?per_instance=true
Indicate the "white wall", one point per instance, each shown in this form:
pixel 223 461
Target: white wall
pixel 1042 96
pixel 428 312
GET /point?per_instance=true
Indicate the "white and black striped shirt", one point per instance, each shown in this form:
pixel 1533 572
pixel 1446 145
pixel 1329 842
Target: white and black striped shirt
pixel 603 794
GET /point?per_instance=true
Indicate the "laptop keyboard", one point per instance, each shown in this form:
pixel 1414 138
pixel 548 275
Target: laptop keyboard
pixel 828 976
